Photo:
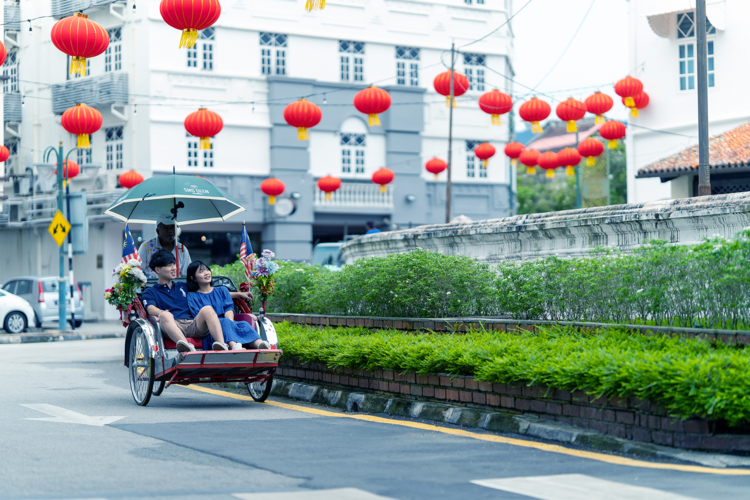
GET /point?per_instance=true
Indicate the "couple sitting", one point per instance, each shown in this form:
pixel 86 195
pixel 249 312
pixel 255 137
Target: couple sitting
pixel 195 309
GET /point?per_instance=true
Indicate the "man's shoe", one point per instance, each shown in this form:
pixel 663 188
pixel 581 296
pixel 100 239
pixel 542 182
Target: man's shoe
pixel 184 346
pixel 264 345
pixel 237 347
pixel 220 346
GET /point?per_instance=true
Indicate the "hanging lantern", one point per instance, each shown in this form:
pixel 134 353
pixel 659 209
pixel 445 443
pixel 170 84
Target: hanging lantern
pixel 571 111
pixel 383 176
pixel 442 84
pixel 80 38
pixel 204 124
pixel 302 114
pixel 272 188
pixel 82 121
pixel 484 152
pixel 639 102
pixel 3 53
pixel 495 103
pixel 569 158
pixel 329 184
pixel 4 153
pixel 612 131
pixel 70 170
pixel 590 148
pixel 534 111
pixel 530 158
pixel 435 166
pixel 372 101
pixel 513 150
pixel 627 88
pixel 549 162
pixel 190 17
pixel 599 104
pixel 130 179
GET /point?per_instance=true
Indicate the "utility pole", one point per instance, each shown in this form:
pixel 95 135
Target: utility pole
pixel 704 175
pixel 609 185
pixel 512 173
pixel 451 103
pixel 579 200
pixel 61 280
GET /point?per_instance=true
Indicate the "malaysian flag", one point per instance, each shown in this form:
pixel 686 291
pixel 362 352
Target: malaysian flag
pixel 129 251
pixel 246 254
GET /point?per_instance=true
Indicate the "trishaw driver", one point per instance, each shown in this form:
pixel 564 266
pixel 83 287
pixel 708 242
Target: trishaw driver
pixel 165 239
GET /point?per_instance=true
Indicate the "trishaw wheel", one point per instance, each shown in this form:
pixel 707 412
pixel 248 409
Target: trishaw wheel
pixel 141 368
pixel 159 388
pixel 260 391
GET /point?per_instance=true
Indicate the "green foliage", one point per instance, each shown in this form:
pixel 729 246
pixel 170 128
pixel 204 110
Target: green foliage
pixel 538 194
pixel 689 377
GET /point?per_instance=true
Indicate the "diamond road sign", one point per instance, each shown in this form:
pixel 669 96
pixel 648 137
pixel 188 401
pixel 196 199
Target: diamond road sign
pixel 59 228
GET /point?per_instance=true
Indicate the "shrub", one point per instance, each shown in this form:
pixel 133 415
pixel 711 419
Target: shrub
pixel 689 377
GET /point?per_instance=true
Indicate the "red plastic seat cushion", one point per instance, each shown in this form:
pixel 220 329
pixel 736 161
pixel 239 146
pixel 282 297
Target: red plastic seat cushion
pixel 171 344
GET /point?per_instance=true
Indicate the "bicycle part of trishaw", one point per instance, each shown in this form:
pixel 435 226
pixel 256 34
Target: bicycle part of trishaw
pixel 260 391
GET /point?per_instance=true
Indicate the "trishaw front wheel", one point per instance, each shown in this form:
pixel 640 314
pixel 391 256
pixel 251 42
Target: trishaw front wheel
pixel 141 368
pixel 159 388
pixel 260 391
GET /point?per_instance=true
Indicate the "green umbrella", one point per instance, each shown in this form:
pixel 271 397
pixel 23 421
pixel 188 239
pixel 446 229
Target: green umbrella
pixel 189 199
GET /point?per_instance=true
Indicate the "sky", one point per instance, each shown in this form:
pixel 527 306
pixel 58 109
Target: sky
pixel 597 57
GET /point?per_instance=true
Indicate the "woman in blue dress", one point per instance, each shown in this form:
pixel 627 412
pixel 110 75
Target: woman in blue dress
pixel 202 293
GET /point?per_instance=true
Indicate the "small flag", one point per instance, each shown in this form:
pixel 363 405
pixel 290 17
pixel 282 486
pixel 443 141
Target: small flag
pixel 129 252
pixel 246 254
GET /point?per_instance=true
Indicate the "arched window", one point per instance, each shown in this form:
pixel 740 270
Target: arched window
pixel 353 141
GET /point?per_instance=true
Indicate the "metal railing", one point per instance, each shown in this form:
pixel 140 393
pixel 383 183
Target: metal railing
pixel 41 208
pixel 12 108
pixel 109 88
pixel 12 13
pixel 352 194
pixel 63 8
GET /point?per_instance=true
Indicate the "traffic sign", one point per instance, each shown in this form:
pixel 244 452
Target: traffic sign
pixel 59 228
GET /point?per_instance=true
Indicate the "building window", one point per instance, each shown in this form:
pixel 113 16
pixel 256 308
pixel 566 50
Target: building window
pixel 10 71
pixel 686 25
pixel 113 138
pixel 82 155
pixel 687 53
pixel 113 54
pixel 273 54
pixel 472 162
pixel 352 145
pixel 407 66
pixel 202 54
pixel 474 70
pixel 192 150
pixel 352 61
pixel 12 148
pixel 208 157
pixel 710 62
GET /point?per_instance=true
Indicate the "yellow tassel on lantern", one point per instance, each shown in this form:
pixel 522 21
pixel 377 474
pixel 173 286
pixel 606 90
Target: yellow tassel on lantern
pixel 629 102
pixel 612 144
pixel 83 141
pixel 570 171
pixel 514 162
pixel 328 196
pixel 536 128
pixel 188 38
pixel 373 119
pixel 302 134
pixel 530 171
pixel 590 161
pixel 448 101
pixel 312 5
pixel 205 143
pixel 272 200
pixel 599 120
pixel 383 189
pixel 550 173
pixel 496 120
pixel 78 65
pixel 484 163
pixel 572 126
pixel 436 177
pixel 634 112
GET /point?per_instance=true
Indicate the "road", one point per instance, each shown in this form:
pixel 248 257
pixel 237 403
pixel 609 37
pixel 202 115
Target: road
pixel 69 429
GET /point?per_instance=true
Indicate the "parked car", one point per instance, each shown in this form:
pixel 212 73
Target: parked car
pixel 328 255
pixel 42 293
pixel 15 312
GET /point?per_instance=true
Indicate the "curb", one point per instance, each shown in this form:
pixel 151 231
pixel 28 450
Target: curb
pixel 504 422
pixel 56 337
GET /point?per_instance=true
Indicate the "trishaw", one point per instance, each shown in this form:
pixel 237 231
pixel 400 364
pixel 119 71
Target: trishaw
pixel 155 364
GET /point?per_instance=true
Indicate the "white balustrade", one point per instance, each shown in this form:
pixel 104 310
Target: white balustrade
pixel 352 194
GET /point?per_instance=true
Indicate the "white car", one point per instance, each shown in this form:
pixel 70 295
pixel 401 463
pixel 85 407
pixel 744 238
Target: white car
pixel 15 312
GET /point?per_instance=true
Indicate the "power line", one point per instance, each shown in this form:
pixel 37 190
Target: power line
pixel 495 30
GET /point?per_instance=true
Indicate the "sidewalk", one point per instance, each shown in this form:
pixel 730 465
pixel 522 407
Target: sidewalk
pixel 87 331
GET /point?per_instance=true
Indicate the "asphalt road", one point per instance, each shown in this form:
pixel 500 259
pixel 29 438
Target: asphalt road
pixel 195 445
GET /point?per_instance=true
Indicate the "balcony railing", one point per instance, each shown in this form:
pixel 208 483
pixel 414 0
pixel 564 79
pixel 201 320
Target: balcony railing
pixel 63 8
pixel 12 108
pixel 40 209
pixel 110 88
pixel 12 13
pixel 353 196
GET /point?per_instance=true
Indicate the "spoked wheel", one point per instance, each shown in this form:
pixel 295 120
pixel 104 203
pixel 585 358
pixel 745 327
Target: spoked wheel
pixel 159 388
pixel 259 391
pixel 141 368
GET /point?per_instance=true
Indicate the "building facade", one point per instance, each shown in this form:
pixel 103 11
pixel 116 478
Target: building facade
pixel 253 62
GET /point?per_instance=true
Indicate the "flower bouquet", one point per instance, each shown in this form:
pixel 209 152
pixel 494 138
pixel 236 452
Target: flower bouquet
pixel 263 269
pixel 130 278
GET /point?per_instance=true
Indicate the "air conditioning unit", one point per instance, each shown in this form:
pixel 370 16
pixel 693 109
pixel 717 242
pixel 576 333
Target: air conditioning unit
pixel 106 180
pixel 15 166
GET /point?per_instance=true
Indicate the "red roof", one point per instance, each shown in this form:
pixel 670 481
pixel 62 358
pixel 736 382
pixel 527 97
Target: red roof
pixel 556 137
pixel 728 152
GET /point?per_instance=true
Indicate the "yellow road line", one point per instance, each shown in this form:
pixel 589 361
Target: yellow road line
pixel 611 459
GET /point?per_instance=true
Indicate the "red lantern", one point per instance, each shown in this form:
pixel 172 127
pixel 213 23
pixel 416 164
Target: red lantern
pixel 571 111
pixel 204 124
pixel 130 179
pixel 80 38
pixel 590 148
pixel 549 162
pixel 442 85
pixel 82 121
pixel 599 104
pixel 70 170
pixel 435 166
pixel 495 103
pixel 530 158
pixel 639 102
pixel 612 131
pixel 273 188
pixel 534 111
pixel 569 158
pixel 627 88
pixel 328 185
pixel 3 53
pixel 383 176
pixel 513 150
pixel 4 154
pixel 190 17
pixel 372 101
pixel 484 152
pixel 302 114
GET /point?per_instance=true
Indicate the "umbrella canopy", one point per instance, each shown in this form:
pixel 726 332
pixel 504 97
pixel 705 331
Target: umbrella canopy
pixel 189 199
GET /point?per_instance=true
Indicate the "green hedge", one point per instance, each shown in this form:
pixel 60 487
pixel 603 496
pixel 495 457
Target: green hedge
pixel 689 377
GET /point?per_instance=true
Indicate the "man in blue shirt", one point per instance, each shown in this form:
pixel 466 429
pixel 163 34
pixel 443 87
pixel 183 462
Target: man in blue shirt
pixel 168 300
pixel 371 229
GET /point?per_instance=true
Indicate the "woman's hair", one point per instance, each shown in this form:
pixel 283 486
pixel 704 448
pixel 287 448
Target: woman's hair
pixel 161 258
pixel 193 268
